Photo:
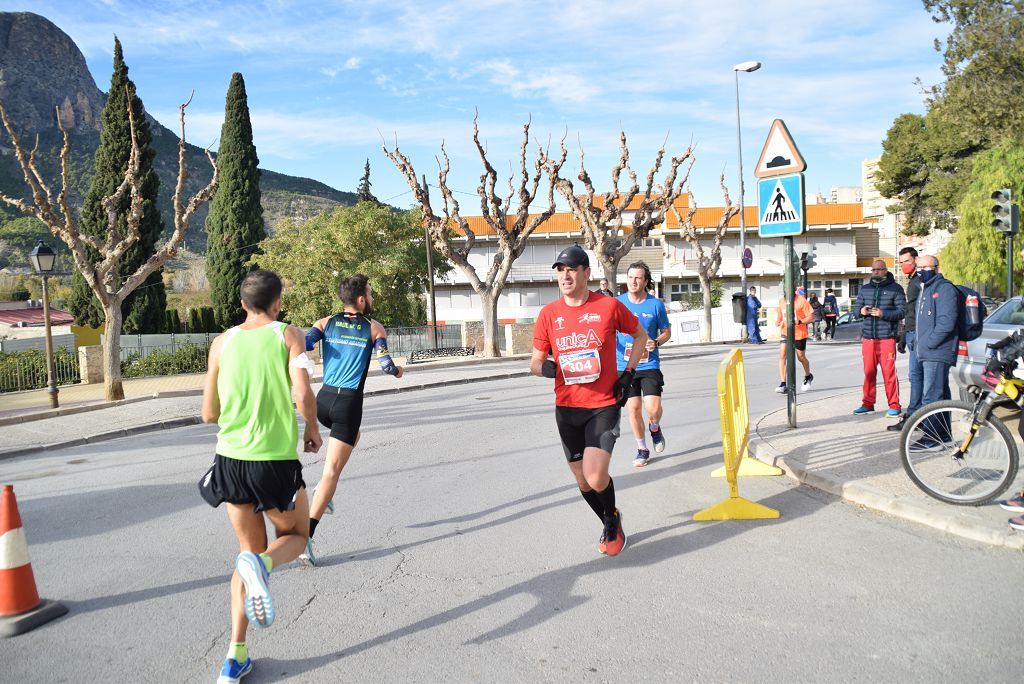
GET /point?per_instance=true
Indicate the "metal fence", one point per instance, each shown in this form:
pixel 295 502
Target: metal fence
pixel 404 341
pixel 26 370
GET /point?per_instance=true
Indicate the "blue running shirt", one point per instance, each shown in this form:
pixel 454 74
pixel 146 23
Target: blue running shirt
pixel 653 317
pixel 347 347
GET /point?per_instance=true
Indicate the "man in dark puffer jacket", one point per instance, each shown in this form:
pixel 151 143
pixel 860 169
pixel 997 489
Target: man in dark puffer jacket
pixel 881 301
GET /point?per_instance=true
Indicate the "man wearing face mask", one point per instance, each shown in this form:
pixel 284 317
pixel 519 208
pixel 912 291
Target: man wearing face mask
pixel 908 340
pixel 937 341
pixel 881 301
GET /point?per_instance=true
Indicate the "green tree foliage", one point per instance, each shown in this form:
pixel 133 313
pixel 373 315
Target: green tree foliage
pixel 977 252
pixel 235 223
pixel 368 238
pixel 143 309
pixel 363 193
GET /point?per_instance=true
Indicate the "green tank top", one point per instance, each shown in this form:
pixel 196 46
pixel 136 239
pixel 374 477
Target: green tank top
pixel 257 419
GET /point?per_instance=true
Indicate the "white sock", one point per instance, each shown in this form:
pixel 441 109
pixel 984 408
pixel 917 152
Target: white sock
pixel 642 444
pixel 654 427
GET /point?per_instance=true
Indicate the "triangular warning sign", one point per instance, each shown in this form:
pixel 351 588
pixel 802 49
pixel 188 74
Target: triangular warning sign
pixel 780 208
pixel 779 155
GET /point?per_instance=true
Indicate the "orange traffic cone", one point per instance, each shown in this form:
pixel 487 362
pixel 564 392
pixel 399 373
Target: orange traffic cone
pixel 20 607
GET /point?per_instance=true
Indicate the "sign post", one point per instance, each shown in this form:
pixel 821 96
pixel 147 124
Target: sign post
pixel 781 208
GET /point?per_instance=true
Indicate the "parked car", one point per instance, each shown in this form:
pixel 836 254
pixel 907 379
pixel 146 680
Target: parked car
pixel 1006 318
pixel 849 326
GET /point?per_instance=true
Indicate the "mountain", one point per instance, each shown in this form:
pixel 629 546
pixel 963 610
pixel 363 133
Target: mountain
pixel 42 70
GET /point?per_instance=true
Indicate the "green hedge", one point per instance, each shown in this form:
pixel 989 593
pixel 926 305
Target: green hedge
pixel 26 369
pixel 187 358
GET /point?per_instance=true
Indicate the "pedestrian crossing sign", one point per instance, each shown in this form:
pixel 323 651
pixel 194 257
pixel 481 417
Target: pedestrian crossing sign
pixel 780 206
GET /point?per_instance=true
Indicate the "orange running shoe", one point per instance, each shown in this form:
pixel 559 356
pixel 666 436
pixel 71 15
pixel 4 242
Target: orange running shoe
pixel 614 539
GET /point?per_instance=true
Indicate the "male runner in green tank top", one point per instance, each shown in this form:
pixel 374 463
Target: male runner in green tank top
pixel 253 370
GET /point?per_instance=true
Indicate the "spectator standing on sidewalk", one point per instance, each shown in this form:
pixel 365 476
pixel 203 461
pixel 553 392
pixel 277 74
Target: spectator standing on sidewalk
pixel 605 289
pixel 818 316
pixel 830 311
pixel 937 341
pixel 908 340
pixel 753 309
pixel 881 301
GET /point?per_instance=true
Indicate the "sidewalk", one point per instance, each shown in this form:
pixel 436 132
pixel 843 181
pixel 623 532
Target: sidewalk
pixel 855 458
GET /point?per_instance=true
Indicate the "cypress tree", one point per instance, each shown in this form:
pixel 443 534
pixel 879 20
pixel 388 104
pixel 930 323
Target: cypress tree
pixel 195 322
pixel 363 193
pixel 234 226
pixel 143 309
pixel 175 321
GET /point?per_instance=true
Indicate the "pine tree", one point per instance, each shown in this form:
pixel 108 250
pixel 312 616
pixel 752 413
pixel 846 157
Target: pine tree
pixel 234 226
pixel 363 193
pixel 143 309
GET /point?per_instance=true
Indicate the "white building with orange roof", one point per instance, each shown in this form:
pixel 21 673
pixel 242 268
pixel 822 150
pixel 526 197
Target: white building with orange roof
pixel 846 242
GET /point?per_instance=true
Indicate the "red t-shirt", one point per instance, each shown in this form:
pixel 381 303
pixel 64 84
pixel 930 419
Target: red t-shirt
pixel 582 341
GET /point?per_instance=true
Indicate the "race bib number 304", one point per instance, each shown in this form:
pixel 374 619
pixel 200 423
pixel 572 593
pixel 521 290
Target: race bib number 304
pixel 580 367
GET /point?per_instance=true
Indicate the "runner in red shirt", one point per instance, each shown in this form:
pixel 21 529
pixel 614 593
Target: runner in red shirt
pixel 578 330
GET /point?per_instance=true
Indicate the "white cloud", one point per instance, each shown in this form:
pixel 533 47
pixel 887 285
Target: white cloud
pixel 352 63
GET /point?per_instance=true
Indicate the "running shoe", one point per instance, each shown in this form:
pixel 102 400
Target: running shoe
pixel 781 389
pixel 892 413
pixel 642 457
pixel 807 383
pixel 259 606
pixel 1014 505
pixel 330 507
pixel 613 540
pixel 309 557
pixel 897 427
pixel 232 671
pixel 1017 523
pixel 659 440
pixel 861 410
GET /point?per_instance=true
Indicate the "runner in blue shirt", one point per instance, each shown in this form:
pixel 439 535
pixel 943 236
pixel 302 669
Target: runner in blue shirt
pixel 649 381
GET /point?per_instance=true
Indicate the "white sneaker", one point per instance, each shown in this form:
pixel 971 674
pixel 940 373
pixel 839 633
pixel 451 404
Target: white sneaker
pixel 781 389
pixel 807 383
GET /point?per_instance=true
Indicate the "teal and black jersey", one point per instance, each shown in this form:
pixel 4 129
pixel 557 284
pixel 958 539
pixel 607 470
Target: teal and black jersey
pixel 346 349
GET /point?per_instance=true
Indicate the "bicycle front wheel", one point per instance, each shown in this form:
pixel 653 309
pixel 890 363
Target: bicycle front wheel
pixel 929 448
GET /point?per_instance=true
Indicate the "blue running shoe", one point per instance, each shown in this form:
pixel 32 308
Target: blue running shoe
pixel 233 671
pixel 330 507
pixel 309 557
pixel 259 606
pixel 642 457
pixel 892 413
pixel 658 438
pixel 861 410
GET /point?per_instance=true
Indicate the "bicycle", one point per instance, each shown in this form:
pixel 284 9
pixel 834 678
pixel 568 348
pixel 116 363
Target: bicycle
pixel 958 451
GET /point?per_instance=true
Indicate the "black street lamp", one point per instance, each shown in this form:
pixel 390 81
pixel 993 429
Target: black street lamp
pixel 43 259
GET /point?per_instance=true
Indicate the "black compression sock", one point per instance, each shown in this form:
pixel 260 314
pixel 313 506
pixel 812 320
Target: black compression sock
pixel 313 522
pixel 607 498
pixel 594 499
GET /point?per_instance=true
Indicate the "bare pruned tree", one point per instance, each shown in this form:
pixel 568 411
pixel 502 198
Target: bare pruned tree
pixel 102 275
pixel 708 260
pixel 601 216
pixel 507 216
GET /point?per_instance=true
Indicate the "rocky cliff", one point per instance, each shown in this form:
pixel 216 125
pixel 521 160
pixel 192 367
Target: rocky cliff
pixel 42 71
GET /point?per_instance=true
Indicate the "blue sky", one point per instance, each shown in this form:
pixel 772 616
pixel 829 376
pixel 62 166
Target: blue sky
pixel 325 79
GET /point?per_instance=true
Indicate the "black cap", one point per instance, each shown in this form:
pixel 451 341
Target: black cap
pixel 572 257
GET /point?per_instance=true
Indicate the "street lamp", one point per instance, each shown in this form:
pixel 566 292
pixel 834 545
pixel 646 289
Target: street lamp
pixel 748 67
pixel 42 261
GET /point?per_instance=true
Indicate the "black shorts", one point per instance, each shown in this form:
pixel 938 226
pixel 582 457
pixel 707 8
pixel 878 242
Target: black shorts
pixel 581 428
pixel 341 410
pixel 264 484
pixel 647 383
pixel 797 344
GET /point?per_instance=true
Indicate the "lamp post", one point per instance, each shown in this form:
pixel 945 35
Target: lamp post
pixel 748 67
pixel 42 261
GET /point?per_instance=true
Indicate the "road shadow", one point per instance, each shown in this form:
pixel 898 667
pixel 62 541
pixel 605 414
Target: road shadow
pixel 554 591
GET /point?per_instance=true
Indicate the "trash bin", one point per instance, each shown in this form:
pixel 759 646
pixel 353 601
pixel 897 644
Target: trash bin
pixel 739 307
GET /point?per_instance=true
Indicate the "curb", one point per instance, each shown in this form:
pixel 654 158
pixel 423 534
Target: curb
pixel 878 500
pixel 195 420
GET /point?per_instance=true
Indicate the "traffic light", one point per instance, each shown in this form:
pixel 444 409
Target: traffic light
pixel 803 261
pixel 812 258
pixel 1005 215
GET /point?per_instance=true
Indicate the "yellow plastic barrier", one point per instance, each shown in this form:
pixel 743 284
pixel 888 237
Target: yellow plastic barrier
pixel 732 409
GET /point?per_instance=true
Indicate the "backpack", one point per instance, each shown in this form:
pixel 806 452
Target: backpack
pixel 970 315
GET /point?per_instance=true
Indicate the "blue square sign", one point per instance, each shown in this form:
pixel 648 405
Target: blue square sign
pixel 780 206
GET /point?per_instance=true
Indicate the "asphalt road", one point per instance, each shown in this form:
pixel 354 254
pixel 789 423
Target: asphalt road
pixel 461 551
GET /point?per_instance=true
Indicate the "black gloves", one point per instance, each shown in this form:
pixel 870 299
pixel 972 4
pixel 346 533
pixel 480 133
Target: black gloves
pixel 547 369
pixel 622 386
pixel 901 343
